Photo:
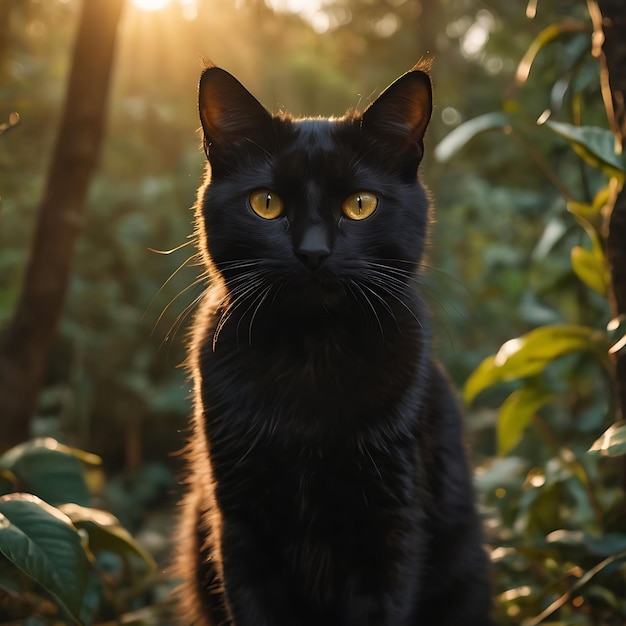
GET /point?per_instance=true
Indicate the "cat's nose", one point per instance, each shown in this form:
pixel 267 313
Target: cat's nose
pixel 313 258
pixel 314 246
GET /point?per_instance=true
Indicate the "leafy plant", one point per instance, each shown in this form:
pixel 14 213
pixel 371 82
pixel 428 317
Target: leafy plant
pixel 556 494
pixel 60 559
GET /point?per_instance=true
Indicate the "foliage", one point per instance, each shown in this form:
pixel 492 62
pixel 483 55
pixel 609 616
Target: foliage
pixel 556 495
pixel 61 559
pixel 555 509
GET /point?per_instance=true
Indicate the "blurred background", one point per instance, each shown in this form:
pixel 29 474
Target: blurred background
pixel 499 263
pixel 122 333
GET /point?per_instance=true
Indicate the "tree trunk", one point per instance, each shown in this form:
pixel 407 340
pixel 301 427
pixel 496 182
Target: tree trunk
pixel 609 20
pixel 26 340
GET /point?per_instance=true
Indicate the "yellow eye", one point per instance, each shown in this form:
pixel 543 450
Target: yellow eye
pixel 360 205
pixel 266 203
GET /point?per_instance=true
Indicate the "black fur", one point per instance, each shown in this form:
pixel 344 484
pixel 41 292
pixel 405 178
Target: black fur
pixel 328 484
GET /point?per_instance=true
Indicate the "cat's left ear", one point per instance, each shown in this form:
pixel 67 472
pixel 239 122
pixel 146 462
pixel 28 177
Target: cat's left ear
pixel 400 115
pixel 229 112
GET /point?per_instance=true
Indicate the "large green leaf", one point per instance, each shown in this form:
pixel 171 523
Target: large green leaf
pixel 461 135
pixel 516 413
pixel 529 354
pixel 42 542
pixel 612 442
pixel 48 469
pixel 11 456
pixel 593 144
pixel 105 532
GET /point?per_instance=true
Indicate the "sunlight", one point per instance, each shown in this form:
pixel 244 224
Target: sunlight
pixel 309 10
pixel 151 5
pixel 477 35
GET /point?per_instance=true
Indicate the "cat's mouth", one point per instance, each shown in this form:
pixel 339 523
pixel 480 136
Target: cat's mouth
pixel 316 289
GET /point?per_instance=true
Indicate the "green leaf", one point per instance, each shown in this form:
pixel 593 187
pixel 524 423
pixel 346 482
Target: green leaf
pixel 603 196
pixel 583 513
pixel 583 210
pixel 516 413
pixel 485 375
pixel 591 268
pixel 538 509
pixel 461 135
pixel 593 144
pixel 603 546
pixel 105 532
pixel 547 35
pixel 43 543
pixel 613 442
pixel 589 215
pixel 500 472
pixel 589 211
pixel 10 456
pixel 530 354
pixel 49 470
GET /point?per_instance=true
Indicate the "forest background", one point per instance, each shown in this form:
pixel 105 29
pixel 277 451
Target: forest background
pixel 520 251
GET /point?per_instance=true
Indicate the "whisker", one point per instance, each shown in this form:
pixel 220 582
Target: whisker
pixel 231 306
pixel 186 262
pixel 447 274
pixel 384 303
pixel 380 326
pixel 252 294
pixel 356 297
pixel 196 282
pixel 444 303
pixel 395 293
pixel 240 263
pixel 176 249
pixel 258 306
pixel 237 296
pixel 389 278
pixel 390 281
pixel 182 316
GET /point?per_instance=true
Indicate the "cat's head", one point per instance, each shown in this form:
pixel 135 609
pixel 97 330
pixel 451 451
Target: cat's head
pixel 315 207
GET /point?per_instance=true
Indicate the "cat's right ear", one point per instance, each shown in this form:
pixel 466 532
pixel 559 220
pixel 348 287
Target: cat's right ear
pixel 229 112
pixel 400 115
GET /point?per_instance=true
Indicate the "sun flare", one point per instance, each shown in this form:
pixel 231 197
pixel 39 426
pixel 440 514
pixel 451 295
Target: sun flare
pixel 151 5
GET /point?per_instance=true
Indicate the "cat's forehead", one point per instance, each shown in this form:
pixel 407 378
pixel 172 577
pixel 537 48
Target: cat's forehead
pixel 316 134
pixel 314 149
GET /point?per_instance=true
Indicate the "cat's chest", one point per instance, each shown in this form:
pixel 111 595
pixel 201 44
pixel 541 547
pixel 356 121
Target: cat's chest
pixel 319 496
pixel 305 379
pixel 331 519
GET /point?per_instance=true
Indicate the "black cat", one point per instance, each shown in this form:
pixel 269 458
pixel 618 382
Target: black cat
pixel 328 485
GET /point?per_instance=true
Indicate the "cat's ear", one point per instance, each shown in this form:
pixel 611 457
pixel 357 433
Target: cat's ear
pixel 229 112
pixel 400 115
